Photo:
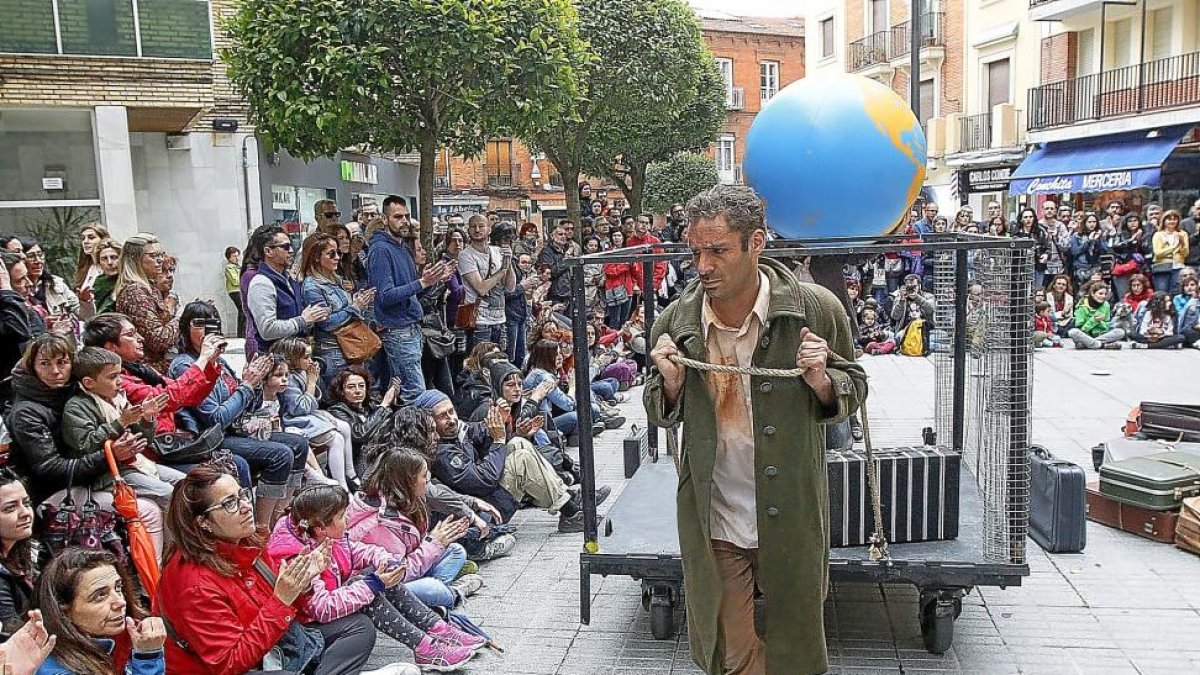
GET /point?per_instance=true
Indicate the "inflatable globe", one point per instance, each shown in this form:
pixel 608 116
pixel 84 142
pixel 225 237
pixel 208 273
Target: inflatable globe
pixel 835 156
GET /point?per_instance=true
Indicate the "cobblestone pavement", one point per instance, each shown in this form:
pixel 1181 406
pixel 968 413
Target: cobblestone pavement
pixel 1125 605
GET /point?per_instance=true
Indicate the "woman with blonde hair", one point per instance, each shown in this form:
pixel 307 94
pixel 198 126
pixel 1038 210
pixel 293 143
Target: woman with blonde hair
pixel 138 298
pixel 1170 245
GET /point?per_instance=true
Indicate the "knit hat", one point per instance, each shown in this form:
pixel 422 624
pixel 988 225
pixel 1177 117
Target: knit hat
pixel 429 398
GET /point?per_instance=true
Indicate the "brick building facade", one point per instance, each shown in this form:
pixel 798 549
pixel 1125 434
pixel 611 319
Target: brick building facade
pixel 759 56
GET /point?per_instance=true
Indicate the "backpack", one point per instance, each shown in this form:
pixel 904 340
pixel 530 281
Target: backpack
pixel 913 343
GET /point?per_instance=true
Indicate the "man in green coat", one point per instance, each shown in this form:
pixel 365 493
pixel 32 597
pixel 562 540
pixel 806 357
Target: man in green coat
pixel 753 493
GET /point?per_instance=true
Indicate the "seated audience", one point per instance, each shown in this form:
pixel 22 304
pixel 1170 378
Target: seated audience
pixel 89 604
pixel 1093 328
pixel 364 580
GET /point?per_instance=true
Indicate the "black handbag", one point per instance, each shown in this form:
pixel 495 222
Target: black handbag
pixel 184 447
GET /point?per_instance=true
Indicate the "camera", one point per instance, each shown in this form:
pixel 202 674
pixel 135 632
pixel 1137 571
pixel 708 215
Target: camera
pixel 212 326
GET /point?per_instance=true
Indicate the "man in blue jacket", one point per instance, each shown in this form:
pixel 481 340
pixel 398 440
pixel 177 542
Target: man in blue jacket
pixel 393 272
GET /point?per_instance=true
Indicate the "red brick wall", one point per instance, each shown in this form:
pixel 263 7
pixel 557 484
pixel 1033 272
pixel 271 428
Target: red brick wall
pixel 1059 57
pixel 747 50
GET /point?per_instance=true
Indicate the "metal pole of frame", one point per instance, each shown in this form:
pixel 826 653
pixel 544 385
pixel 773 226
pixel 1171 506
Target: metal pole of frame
pixel 914 58
pixel 648 298
pixel 959 413
pixel 583 407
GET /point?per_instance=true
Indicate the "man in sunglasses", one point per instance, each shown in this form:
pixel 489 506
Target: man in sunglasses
pixel 274 299
pixel 327 216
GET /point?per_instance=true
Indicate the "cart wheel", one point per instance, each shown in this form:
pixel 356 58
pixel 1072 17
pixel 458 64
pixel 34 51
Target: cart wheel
pixel 937 629
pixel 662 618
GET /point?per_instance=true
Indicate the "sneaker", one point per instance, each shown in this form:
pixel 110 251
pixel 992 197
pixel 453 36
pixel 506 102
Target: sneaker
pixel 498 547
pixel 598 428
pixel 395 669
pixel 569 525
pixel 447 632
pixel 467 584
pixel 614 422
pixel 1138 345
pixel 469 567
pixel 1112 346
pixel 620 398
pixel 602 494
pixel 439 656
pixel 856 430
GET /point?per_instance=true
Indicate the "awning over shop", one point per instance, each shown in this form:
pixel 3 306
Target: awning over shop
pixel 1116 162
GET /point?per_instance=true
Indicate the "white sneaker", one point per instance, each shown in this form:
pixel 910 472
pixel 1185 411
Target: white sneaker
pixel 498 547
pixel 468 584
pixel 395 669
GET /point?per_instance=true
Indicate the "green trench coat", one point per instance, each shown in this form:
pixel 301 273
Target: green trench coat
pixel 789 458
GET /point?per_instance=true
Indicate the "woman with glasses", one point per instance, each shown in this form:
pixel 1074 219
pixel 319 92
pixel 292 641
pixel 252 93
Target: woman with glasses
pixel 51 296
pixel 225 602
pixel 139 299
pixel 320 259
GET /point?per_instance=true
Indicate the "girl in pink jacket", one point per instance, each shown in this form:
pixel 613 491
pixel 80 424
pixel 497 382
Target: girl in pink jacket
pixel 385 515
pixel 365 578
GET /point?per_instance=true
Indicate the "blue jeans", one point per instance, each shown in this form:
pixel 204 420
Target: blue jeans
pixel 515 336
pixel 403 347
pixel 1166 282
pixel 617 315
pixel 606 389
pixel 239 464
pixel 278 462
pixel 433 589
pixel 334 362
pixel 494 333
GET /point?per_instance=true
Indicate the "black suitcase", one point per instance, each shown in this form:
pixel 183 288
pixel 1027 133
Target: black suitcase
pixel 635 448
pixel 919 491
pixel 1057 502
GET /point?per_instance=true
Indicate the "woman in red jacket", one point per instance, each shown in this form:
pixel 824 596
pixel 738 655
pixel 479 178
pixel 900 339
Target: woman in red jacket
pixel 620 282
pixel 220 598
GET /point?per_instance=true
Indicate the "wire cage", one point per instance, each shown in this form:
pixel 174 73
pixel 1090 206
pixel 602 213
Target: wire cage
pixel 997 371
pixel 982 357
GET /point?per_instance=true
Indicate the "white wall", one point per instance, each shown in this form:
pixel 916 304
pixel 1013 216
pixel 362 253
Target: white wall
pixel 814 12
pixel 194 201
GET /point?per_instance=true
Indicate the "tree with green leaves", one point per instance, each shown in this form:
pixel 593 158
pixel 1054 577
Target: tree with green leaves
pixel 402 75
pixel 644 58
pixel 679 179
pixel 633 138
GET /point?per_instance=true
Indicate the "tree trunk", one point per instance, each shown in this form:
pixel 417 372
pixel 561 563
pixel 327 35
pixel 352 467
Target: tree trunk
pixel 637 186
pixel 425 188
pixel 570 178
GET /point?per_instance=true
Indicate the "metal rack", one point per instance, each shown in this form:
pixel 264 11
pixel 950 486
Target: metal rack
pixel 982 358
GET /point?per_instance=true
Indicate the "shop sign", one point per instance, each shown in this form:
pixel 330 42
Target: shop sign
pixel 988 179
pixel 1100 181
pixel 360 172
pixel 283 198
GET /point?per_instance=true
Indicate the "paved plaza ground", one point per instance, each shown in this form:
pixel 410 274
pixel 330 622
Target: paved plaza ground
pixel 1125 605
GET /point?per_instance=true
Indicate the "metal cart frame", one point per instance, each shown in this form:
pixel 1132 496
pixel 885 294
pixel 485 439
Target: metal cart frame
pixel 941 579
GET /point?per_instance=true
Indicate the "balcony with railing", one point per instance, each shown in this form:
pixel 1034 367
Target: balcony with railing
pixel 1057 10
pixel 503 176
pixel 1163 84
pixel 932 34
pixel 173 29
pixel 975 132
pixel 869 51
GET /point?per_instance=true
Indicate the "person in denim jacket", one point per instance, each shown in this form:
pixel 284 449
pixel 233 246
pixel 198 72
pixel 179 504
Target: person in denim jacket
pixel 322 285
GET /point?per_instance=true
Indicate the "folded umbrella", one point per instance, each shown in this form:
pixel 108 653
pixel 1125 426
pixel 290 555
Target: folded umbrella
pixel 141 546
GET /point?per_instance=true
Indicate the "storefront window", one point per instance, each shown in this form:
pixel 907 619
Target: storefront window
pixel 47 155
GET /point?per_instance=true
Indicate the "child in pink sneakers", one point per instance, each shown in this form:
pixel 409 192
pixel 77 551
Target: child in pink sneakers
pixel 365 578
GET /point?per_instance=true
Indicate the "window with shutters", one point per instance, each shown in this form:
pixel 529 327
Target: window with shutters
pixel 1120 44
pixel 928 102
pixel 1086 52
pixel 997 83
pixel 878 16
pixel 726 159
pixel 499 163
pixel 1160 37
pixel 827 37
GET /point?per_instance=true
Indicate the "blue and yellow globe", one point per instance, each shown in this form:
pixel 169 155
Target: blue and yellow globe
pixel 835 156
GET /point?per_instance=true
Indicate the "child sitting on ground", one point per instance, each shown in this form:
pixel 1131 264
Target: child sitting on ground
pixel 304 378
pixel 391 512
pixel 365 578
pixel 1044 334
pixel 874 337
pixel 274 408
pixel 101 413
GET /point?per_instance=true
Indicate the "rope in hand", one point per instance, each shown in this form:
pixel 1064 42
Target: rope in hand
pixel 879 545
